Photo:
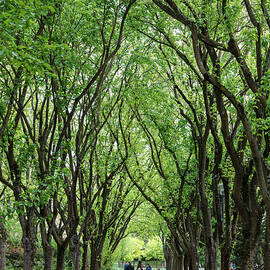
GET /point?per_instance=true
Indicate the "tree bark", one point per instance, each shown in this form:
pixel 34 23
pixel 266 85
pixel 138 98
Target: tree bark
pixel 187 263
pixel 85 259
pixel 95 263
pixel 61 256
pixel 177 262
pixel 226 239
pixel 211 258
pixel 193 264
pixel 3 247
pixel 225 257
pixel 174 260
pixel 29 253
pixel 85 256
pixel 48 250
pixel 266 246
pixel 167 255
pixel 266 255
pixel 248 246
pixel 48 253
pixel 75 252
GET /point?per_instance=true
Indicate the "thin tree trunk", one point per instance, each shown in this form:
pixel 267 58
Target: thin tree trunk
pixel 168 257
pixel 3 247
pixel 211 258
pixel 266 255
pixel 86 237
pixel 174 260
pixel 85 256
pixel 187 262
pixel 266 246
pixel 178 262
pixel 226 243
pixel 194 265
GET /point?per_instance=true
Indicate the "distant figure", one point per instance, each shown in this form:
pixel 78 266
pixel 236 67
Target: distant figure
pixel 148 267
pixel 126 265
pixel 130 266
pixel 140 265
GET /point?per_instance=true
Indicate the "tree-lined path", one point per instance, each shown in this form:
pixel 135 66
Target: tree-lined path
pixel 135 120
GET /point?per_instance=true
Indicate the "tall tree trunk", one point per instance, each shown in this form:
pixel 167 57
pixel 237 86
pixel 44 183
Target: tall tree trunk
pixel 29 253
pixel 174 260
pixel 74 252
pixel 95 263
pixel 85 256
pixel 61 256
pixel 48 250
pixel 226 241
pixel 193 262
pixel 3 247
pixel 28 240
pixel 167 256
pixel 48 253
pixel 29 230
pixel 86 237
pixel 211 258
pixel 187 262
pixel 266 246
pixel 178 262
pixel 77 259
pixel 96 247
pixel 225 257
pixel 248 245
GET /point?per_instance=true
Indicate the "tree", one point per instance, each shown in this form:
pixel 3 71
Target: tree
pixel 210 55
pixel 108 104
pixel 55 89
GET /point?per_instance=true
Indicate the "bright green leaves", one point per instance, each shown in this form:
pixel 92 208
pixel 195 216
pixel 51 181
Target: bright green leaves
pixel 154 250
pixel 18 24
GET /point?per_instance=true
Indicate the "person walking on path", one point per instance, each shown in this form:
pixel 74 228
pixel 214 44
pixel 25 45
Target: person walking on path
pixel 148 267
pixel 130 266
pixel 140 265
pixel 126 265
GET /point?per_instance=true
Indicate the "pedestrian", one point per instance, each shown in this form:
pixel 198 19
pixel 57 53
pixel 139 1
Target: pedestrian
pixel 140 265
pixel 126 265
pixel 130 266
pixel 148 267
